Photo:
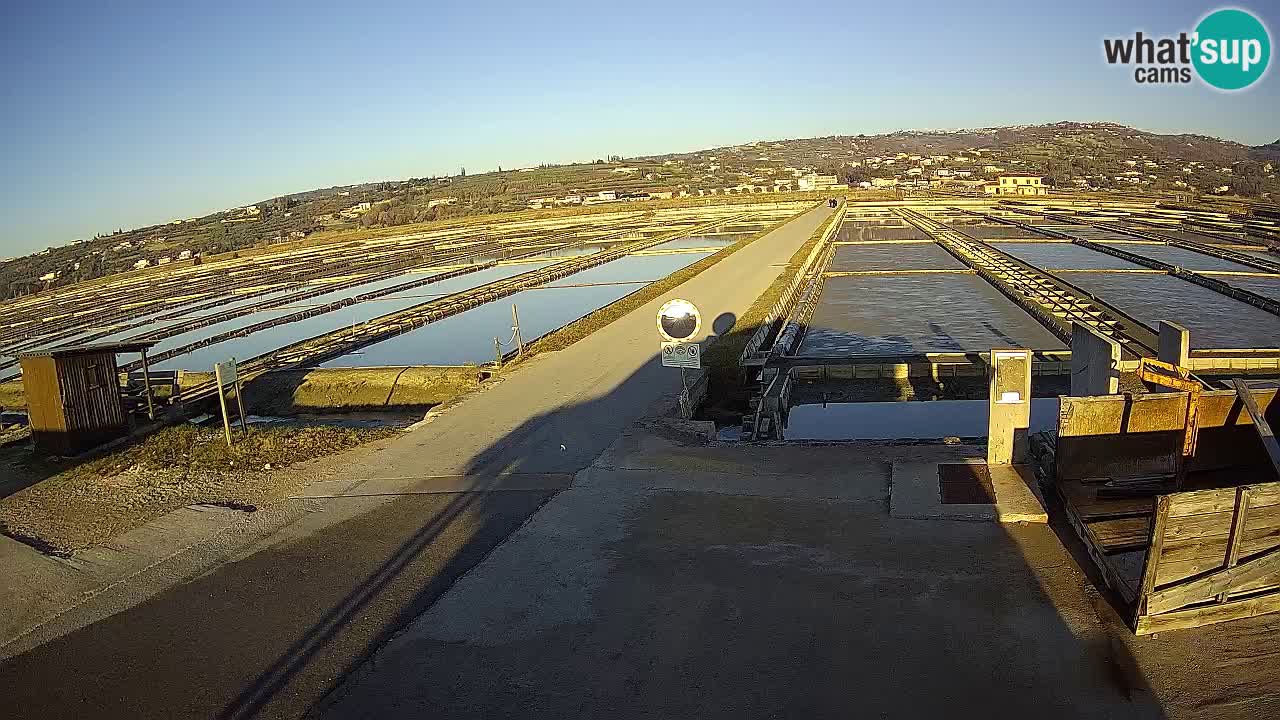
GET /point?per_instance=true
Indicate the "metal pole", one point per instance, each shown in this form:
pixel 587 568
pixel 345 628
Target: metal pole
pixel 515 327
pixel 146 379
pixel 684 396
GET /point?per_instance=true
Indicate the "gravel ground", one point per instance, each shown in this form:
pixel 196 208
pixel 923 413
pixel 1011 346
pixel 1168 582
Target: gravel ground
pixel 66 506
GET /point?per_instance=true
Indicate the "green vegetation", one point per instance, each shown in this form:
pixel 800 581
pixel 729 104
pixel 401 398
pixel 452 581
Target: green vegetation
pixel 69 508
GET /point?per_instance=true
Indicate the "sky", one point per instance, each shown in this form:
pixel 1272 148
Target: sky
pixel 124 114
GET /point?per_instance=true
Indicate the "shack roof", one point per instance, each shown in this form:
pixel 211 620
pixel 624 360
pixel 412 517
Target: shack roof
pixel 93 349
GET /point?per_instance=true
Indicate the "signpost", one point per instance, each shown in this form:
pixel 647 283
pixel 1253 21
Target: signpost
pixel 681 355
pixel 226 375
pixel 679 322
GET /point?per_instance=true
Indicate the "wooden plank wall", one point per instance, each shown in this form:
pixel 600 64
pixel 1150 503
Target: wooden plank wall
pixel 90 400
pixel 1130 436
pixel 1214 556
pixel 44 402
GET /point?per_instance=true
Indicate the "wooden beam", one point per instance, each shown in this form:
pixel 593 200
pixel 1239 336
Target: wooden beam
pixel 1265 433
pixel 1154 548
pixel 1237 530
pixel 1211 584
pixel 1195 617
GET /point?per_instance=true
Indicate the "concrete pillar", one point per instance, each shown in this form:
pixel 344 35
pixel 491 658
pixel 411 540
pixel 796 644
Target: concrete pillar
pixel 1095 362
pixel 1174 345
pixel 1010 406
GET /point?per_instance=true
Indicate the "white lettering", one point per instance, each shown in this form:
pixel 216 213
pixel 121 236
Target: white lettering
pixel 1252 54
pixel 1209 51
pixel 1232 57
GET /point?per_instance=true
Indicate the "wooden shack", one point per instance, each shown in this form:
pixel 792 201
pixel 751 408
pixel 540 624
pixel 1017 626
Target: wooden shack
pixel 1206 552
pixel 73 395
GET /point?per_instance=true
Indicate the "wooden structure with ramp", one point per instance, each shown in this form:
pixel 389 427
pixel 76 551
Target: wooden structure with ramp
pixel 1177 554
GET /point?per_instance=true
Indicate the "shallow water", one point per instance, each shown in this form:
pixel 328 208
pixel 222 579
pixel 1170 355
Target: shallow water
pixel 1184 258
pixel 907 256
pixel 998 231
pixel 903 314
pixel 855 232
pixel 921 420
pixel 1265 286
pixel 1215 320
pixel 468 337
pixel 1051 256
pixel 280 335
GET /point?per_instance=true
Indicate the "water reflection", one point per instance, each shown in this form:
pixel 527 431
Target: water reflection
pixel 280 335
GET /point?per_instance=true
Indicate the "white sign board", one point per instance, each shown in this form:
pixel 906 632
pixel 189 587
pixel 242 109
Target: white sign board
pixel 227 377
pixel 225 372
pixel 681 355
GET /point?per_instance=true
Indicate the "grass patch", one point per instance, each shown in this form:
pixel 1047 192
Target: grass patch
pixel 12 396
pixel 70 508
pixel 584 326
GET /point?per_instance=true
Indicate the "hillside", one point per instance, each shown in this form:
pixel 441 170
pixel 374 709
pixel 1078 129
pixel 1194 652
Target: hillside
pixel 1270 152
pixel 1095 156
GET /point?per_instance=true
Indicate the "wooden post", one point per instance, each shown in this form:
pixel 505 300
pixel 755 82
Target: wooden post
pixel 1155 548
pixel 1237 530
pixel 244 423
pixel 222 401
pixel 146 379
pixel 1260 423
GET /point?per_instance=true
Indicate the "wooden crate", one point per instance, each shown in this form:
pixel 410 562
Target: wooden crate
pixel 1208 554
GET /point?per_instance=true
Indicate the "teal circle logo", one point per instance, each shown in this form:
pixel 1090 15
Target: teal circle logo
pixel 1232 49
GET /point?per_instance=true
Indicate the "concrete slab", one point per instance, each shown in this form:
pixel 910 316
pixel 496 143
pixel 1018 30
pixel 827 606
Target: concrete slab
pixel 724 589
pixel 914 494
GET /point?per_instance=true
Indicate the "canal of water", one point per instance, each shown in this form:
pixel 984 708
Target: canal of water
pixel 924 420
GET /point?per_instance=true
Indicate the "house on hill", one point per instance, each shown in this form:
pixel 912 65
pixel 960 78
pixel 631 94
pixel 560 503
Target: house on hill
pixel 1017 184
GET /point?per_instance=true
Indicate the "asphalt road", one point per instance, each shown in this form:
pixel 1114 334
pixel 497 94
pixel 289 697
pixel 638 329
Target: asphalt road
pixel 270 634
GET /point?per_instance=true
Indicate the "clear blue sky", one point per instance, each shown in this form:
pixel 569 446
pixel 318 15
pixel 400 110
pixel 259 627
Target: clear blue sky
pixel 130 113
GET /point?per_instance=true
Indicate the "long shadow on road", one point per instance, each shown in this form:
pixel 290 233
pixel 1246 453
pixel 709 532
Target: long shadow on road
pixel 270 634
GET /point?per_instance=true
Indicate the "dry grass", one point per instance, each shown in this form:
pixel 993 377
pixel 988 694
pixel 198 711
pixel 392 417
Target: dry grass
pixel 84 505
pixel 12 396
